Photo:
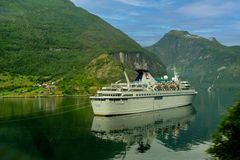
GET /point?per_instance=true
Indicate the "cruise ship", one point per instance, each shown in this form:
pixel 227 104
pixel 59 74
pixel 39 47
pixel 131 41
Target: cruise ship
pixel 142 95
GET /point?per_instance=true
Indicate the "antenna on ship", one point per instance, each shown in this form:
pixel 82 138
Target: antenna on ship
pixel 121 55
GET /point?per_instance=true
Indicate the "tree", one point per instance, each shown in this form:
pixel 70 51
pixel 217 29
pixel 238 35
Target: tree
pixel 226 141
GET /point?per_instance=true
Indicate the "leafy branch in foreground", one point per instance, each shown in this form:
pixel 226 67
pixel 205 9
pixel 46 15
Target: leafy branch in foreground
pixel 226 141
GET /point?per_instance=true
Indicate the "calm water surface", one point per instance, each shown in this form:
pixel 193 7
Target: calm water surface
pixel 65 128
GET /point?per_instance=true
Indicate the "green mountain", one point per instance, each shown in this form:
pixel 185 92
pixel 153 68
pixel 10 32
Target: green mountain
pixel 53 44
pixel 205 62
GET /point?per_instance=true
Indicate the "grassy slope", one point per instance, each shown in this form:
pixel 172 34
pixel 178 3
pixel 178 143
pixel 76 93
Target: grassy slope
pixel 55 39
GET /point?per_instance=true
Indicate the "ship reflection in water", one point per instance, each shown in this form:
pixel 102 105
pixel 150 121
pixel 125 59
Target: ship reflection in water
pixel 143 128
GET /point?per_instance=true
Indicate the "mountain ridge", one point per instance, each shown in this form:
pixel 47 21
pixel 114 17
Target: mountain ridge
pixel 203 61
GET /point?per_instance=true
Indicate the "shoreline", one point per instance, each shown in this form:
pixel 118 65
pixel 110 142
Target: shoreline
pixel 44 96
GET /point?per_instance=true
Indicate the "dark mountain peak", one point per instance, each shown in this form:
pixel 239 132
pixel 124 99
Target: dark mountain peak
pixel 187 35
pixel 181 34
pixel 177 33
pixel 173 35
pixel 180 37
pixel 213 39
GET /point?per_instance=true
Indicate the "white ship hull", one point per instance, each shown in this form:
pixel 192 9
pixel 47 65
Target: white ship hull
pixel 134 104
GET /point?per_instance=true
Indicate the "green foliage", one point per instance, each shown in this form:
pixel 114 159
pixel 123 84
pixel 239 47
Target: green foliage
pixel 79 84
pixel 105 69
pixel 54 41
pixel 51 37
pixel 226 140
pixel 16 84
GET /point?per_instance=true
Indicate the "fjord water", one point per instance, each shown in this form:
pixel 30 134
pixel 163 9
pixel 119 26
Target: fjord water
pixel 65 128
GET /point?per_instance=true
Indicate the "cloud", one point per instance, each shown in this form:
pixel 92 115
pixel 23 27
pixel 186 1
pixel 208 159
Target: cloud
pixel 138 3
pixel 146 3
pixel 204 9
pixel 113 17
pixel 206 30
pixel 236 25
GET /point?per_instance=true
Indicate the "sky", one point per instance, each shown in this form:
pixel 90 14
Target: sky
pixel 146 21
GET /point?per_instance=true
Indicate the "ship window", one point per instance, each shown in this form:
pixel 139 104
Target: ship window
pixel 158 98
pixel 100 99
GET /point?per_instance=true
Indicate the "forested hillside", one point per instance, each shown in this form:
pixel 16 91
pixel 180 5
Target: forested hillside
pixel 205 62
pixel 53 41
